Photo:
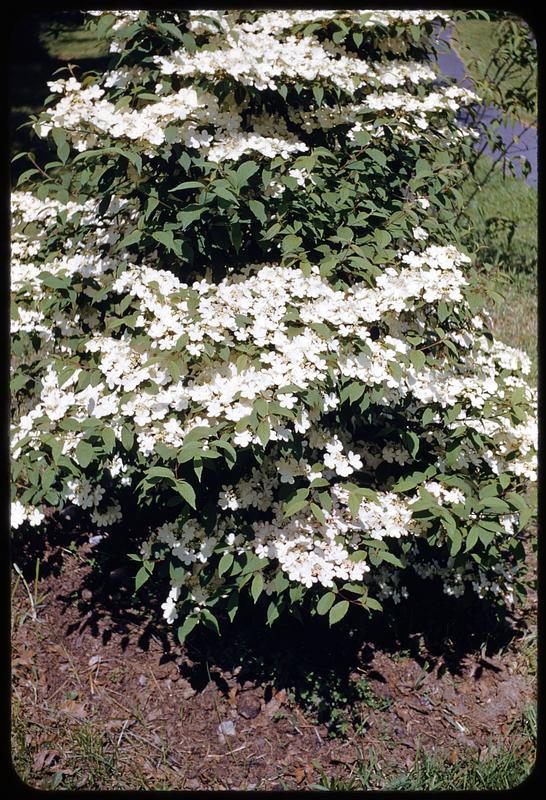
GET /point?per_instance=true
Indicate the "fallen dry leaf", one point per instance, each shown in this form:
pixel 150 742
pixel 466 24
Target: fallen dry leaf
pixel 73 709
pixel 299 775
pixel 44 758
pixel 232 694
pixel 248 705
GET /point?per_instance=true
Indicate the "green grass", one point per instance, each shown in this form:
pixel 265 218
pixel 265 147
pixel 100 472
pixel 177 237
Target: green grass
pixel 88 756
pixel 67 40
pixel 499 230
pixel 502 214
pixel 496 768
pixel 515 320
pixel 477 43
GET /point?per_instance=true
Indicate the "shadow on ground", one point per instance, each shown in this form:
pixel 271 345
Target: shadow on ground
pixel 319 666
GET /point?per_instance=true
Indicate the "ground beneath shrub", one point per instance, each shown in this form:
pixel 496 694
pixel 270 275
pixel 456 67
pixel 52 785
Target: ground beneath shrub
pixel 102 696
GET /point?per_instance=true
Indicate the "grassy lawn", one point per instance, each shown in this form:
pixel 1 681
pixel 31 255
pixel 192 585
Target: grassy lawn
pixel 69 41
pixel 515 320
pixel 501 221
pixel 493 769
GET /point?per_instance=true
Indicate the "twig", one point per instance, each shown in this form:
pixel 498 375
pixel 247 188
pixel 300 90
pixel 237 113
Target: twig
pixel 57 690
pixel 122 732
pixel 155 681
pixel 71 661
pixel 123 708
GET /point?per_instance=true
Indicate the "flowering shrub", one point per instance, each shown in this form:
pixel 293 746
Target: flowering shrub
pixel 239 305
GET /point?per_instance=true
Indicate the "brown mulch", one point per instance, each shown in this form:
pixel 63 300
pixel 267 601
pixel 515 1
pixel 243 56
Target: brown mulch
pixel 192 718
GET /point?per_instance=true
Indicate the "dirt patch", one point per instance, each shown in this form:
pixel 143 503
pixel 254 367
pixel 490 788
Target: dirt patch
pixel 254 710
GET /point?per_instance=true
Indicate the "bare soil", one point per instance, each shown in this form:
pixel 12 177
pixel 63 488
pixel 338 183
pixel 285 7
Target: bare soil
pixel 441 675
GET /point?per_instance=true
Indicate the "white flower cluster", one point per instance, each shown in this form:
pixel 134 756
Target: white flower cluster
pixel 20 514
pixel 413 110
pixel 390 516
pixel 456 580
pixel 262 54
pixel 263 61
pixel 274 22
pixel 443 494
pixel 262 297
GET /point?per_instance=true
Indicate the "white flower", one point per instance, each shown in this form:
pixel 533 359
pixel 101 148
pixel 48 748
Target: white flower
pixel 420 233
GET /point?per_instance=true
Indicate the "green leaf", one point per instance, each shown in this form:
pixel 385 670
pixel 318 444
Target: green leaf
pixel 131 238
pixel 273 611
pixel 210 620
pixel 422 168
pixel 472 538
pixel 318 513
pixel 165 238
pixel 428 416
pixel 84 454
pixel 385 555
pixel 456 541
pixel 518 503
pixel 370 602
pixel 141 577
pixel 494 504
pixel 18 382
pixel 171 28
pixel 199 432
pixel 443 311
pixel 187 452
pixel 186 628
pixel 263 432
pixel 257 586
pixel 104 22
pixel 187 217
pixel 325 603
pixel 48 478
pixel 377 156
pixel 382 237
pixel 52 281
pixel 338 611
pixel 486 536
pixel 355 588
pixel 253 563
pixel 258 209
pixel 362 138
pixel 418 358
pixel 232 605
pixel 225 563
pixel 261 406
pixel 160 472
pixel 358 38
pixel 109 439
pixel 63 148
pixel 230 451
pixel 187 185
pixel 411 441
pixel 245 171
pixel 186 491
pixel 297 502
pixel 355 501
pixel 318 94
pixel 290 243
